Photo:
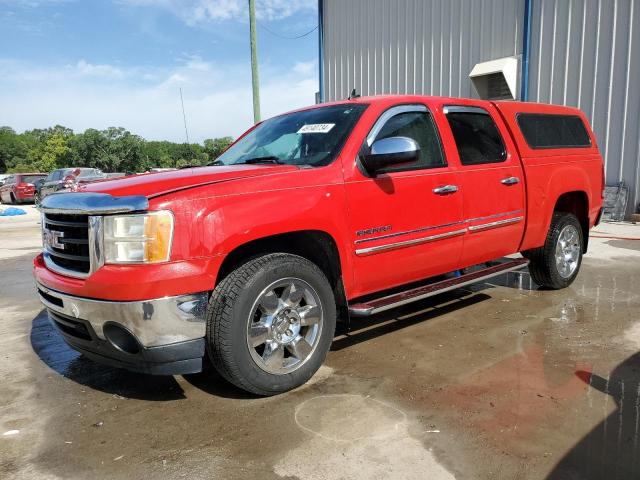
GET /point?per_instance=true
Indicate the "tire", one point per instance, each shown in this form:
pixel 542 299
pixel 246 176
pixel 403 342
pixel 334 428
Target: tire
pixel 549 271
pixel 270 323
pixel 13 200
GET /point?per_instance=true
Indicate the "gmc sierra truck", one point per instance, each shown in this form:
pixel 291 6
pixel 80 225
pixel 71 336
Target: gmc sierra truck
pixel 312 217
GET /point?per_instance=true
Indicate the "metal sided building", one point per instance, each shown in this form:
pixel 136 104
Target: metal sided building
pixel 584 53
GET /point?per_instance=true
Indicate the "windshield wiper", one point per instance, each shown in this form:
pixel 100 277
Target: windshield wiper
pixel 215 163
pixel 265 159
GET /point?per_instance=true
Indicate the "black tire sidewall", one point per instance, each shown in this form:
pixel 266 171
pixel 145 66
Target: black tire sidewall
pixel 278 267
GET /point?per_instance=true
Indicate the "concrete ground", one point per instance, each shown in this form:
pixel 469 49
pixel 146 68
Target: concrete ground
pixel 495 381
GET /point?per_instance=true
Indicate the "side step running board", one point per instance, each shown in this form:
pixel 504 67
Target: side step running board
pixel 376 305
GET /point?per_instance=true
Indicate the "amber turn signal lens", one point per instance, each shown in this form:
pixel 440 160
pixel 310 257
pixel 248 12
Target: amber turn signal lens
pixel 158 229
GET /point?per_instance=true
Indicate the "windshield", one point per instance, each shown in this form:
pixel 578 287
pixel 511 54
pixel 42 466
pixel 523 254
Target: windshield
pixel 90 172
pixel 311 137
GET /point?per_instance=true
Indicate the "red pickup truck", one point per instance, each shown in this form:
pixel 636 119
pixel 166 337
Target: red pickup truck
pixel 336 210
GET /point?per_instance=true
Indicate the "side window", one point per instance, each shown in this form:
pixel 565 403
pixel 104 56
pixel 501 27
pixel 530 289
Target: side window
pixel 420 127
pixel 476 135
pixel 553 131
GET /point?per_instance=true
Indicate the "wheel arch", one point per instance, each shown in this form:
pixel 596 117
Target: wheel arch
pixel 577 203
pixel 316 246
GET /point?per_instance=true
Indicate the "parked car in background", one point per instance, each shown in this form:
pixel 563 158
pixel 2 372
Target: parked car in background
pixel 20 187
pixel 67 178
pixel 3 178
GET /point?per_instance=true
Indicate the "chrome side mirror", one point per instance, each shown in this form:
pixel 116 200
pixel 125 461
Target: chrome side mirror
pixel 390 152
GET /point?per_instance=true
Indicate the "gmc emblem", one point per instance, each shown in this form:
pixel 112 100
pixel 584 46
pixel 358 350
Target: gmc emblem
pixel 52 238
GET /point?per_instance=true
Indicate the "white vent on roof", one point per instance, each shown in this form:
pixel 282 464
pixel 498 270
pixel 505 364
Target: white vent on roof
pixel 496 79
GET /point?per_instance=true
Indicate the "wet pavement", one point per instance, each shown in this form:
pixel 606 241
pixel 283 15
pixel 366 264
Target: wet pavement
pixel 495 381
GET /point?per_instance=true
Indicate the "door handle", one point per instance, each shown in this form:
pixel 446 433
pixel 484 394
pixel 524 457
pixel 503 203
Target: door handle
pixel 510 181
pixel 445 189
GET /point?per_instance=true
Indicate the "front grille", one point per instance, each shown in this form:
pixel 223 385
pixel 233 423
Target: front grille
pixel 70 250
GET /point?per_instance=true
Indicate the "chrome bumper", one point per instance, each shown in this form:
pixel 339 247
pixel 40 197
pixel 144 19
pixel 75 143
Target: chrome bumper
pixel 155 322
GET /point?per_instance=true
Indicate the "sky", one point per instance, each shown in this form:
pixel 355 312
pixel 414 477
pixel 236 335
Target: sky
pixel 101 63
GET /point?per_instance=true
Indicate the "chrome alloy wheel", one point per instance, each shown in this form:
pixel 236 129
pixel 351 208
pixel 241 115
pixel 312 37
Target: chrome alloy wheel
pixel 284 326
pixel 568 251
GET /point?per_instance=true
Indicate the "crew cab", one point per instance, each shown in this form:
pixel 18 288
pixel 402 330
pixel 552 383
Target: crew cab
pixel 312 217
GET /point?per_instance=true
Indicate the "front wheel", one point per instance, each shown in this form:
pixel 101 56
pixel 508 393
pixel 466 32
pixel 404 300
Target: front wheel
pixel 270 323
pixel 556 264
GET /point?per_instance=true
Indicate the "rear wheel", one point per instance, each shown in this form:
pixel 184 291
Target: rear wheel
pixel 270 323
pixel 557 263
pixel 13 200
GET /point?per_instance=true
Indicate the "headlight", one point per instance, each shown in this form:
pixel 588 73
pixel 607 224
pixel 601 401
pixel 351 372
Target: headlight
pixel 138 238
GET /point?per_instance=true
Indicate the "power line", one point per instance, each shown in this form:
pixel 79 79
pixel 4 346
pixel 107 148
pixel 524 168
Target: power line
pixel 275 34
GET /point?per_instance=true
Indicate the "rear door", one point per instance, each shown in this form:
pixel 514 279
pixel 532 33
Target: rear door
pixel 405 227
pixel 492 182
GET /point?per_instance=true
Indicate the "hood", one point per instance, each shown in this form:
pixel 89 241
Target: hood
pixel 160 183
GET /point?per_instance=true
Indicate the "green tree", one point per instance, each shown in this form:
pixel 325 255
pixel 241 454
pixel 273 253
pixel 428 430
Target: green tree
pixel 11 148
pixel 113 149
pixel 54 153
pixel 214 147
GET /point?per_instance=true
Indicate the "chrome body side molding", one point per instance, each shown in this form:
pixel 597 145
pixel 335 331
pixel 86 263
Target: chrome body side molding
pixel 498 223
pixel 408 243
pixel 440 236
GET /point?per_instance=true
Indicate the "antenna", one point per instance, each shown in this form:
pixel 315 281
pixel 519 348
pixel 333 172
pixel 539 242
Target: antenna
pixel 184 117
pixel 353 94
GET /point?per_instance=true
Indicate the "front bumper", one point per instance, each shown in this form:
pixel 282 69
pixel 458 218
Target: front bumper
pixel 162 336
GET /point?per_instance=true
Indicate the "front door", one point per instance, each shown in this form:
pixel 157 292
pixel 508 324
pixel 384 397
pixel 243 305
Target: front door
pixel 50 184
pixel 492 181
pixel 406 223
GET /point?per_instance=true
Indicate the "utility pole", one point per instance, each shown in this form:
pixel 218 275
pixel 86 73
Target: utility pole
pixel 254 61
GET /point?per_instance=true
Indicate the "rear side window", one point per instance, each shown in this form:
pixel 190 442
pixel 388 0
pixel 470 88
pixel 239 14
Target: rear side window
pixel 553 131
pixel 477 136
pixel 31 178
pixel 420 127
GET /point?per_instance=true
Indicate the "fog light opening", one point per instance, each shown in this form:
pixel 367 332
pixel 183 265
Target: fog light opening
pixel 121 338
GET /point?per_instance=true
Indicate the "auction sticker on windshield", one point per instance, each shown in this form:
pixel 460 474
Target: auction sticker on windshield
pixel 316 128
